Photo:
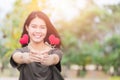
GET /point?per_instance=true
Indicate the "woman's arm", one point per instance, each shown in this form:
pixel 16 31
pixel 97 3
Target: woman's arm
pixel 56 58
pixel 21 58
pixel 52 59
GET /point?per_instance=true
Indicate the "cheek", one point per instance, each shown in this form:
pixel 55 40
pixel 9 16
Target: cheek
pixel 30 31
pixel 44 31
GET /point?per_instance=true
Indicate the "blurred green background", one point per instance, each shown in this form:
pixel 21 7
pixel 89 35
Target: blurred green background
pixel 89 29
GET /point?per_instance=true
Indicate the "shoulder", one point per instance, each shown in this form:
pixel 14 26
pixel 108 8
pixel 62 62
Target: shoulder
pixel 23 49
pixel 57 50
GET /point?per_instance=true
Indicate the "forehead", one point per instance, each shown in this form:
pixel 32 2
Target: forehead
pixel 37 21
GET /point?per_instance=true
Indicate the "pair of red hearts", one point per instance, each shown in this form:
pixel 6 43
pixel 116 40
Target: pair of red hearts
pixel 52 39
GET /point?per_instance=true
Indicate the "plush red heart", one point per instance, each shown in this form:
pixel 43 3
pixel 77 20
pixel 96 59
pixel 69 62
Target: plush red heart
pixel 24 39
pixel 54 40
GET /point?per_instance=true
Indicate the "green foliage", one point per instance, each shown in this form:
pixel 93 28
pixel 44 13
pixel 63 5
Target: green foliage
pixel 83 55
pixel 3 56
pixel 113 52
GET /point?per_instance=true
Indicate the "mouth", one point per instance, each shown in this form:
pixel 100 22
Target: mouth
pixel 37 36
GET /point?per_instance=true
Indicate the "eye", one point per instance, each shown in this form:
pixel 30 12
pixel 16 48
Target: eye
pixel 33 26
pixel 43 26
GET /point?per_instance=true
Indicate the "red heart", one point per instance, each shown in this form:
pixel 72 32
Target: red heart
pixel 24 39
pixel 51 39
pixel 54 40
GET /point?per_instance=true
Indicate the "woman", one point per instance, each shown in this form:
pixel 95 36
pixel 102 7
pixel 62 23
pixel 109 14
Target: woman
pixel 36 59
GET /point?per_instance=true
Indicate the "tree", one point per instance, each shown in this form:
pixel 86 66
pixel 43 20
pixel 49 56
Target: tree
pixel 112 53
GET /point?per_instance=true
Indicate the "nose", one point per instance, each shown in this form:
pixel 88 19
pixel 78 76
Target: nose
pixel 38 29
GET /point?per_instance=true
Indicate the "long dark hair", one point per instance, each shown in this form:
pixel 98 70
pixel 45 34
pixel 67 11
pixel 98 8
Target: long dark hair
pixel 50 29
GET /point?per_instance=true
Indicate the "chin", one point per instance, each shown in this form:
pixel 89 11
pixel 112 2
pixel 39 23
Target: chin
pixel 38 41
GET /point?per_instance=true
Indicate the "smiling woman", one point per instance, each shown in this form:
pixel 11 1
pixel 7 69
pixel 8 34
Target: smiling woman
pixel 36 60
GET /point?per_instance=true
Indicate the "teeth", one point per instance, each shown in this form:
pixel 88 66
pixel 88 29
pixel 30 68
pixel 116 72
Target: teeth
pixel 37 36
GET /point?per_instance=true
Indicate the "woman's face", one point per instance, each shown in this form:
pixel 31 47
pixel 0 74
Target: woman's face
pixel 37 30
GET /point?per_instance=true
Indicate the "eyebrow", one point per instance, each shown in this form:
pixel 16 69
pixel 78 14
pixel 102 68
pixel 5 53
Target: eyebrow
pixel 40 25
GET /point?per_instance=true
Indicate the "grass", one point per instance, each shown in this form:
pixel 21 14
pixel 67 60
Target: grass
pixel 115 78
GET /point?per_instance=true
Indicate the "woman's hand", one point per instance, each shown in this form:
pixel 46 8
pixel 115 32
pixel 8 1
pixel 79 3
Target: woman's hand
pixel 43 58
pixel 37 57
pixel 30 57
pixel 49 59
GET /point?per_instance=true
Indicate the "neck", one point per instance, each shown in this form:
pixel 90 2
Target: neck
pixel 37 46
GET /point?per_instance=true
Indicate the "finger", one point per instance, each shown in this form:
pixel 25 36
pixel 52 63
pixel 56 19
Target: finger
pixel 44 62
pixel 45 51
pixel 45 59
pixel 33 52
pixel 45 56
pixel 36 58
